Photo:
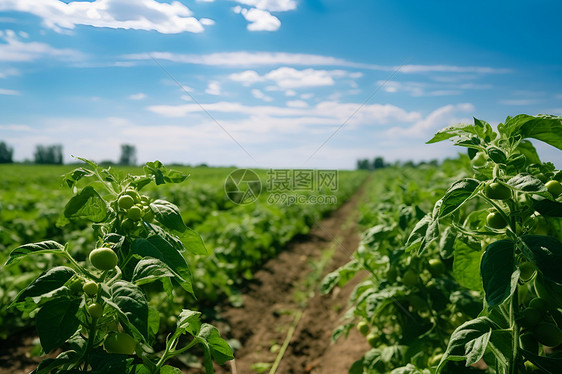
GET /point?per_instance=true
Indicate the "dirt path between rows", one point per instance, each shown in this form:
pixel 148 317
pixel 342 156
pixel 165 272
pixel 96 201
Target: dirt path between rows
pixel 285 293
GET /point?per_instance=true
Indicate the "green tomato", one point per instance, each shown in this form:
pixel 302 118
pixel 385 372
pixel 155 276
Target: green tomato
pixel 540 304
pixel 135 213
pixel 128 224
pixel 91 288
pixel 134 194
pixel 410 278
pixel 527 271
pixel 541 177
pixel 548 334
pixel 554 187
pixel 363 327
pixel 103 258
pixel 479 160
pixel 125 202
pixel 372 339
pixel 120 343
pixel 95 310
pixel 148 215
pixel 497 191
pixel 495 221
pixel 531 317
pixel 436 267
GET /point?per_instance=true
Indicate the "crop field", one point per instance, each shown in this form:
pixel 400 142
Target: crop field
pixel 176 269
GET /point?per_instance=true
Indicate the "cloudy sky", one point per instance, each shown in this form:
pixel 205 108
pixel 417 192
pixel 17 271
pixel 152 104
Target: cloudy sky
pixel 270 83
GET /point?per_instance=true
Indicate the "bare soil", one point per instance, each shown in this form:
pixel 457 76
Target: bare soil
pixel 272 306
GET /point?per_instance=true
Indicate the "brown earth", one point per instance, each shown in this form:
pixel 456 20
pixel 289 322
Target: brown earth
pixel 274 302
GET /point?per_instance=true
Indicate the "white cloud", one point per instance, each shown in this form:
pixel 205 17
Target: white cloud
pixel 260 95
pixel 450 69
pixel 15 50
pixel 518 102
pixel 297 104
pixel 436 120
pixel 271 5
pixel 4 91
pixel 207 21
pixel 118 14
pixel 290 93
pixel 137 96
pixel 8 72
pixel 259 20
pixel 287 77
pixel 307 96
pixel 214 88
pixel 247 77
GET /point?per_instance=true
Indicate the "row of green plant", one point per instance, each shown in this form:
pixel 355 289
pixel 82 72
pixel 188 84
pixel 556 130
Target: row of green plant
pixel 463 260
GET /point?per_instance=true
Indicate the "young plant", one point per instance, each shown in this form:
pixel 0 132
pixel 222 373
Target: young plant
pixel 97 311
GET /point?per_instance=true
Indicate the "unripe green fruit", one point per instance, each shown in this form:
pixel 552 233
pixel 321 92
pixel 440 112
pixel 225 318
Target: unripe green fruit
pixel 120 343
pixel 527 271
pixel 436 267
pixel 95 310
pixel 125 202
pixel 148 215
pixel 531 317
pixel 410 278
pixel 548 334
pixel 134 194
pixel 363 328
pixel 91 288
pixel 372 339
pixel 554 187
pixel 103 258
pixel 495 221
pixel 134 213
pixel 540 304
pixel 127 224
pixel 497 191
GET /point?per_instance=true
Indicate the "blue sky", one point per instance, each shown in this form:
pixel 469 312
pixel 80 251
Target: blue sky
pixel 271 83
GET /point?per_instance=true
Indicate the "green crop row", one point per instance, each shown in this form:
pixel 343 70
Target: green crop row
pixel 462 261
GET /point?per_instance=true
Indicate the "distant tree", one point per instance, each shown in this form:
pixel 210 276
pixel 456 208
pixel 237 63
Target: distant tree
pixel 378 163
pixel 6 153
pixel 363 164
pixel 51 154
pixel 128 155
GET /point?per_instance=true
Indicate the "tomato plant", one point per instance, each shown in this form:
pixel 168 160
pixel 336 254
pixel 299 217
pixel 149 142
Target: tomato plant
pixel 101 329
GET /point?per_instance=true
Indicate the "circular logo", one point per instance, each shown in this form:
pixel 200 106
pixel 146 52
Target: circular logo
pixel 242 186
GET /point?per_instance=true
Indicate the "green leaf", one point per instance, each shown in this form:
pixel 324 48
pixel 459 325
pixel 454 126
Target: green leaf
pixel 457 195
pixel 103 362
pixel 162 175
pixel 468 342
pixel 75 175
pixel 56 322
pixel 548 208
pixel 528 152
pixel 329 281
pixel 546 254
pixel 526 182
pixel 497 270
pixel 451 131
pixel 64 359
pixel 497 155
pixel 130 302
pixel 193 242
pixel 167 369
pixel 46 282
pixel 550 365
pixel 543 127
pixel 48 246
pixel 168 214
pixel 466 266
pixel 189 321
pixel 214 344
pixel 155 246
pixel 151 269
pixel 88 205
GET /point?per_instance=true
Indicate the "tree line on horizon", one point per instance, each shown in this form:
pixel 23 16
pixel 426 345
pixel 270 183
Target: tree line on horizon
pixel 53 155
